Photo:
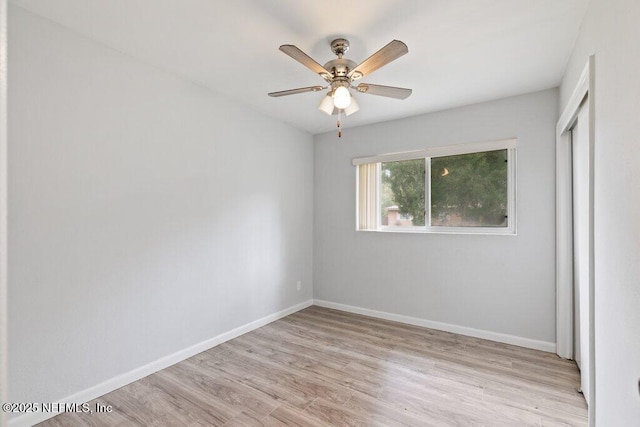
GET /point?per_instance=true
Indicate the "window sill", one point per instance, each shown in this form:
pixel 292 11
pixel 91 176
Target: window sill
pixel 487 231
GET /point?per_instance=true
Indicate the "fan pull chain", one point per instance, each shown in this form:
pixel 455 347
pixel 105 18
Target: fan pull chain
pixel 339 123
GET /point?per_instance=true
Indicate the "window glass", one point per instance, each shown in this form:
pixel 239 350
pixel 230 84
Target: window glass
pixel 469 190
pixel 402 193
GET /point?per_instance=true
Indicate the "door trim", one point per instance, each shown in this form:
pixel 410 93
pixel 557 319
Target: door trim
pixel 564 226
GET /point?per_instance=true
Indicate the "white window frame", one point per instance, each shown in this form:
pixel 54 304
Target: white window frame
pixel 451 150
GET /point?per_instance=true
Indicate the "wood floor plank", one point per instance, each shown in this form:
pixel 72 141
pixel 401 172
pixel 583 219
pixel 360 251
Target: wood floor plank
pixel 149 406
pixel 310 366
pixel 337 415
pixel 290 376
pixel 245 419
pixel 200 386
pixel 377 411
pixel 551 421
pixel 64 420
pixel 321 367
pixel 262 381
pixel 559 407
pixel 385 329
pixel 286 415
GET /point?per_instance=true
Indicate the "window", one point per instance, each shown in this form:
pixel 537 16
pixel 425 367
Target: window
pixel 460 189
pixel 402 193
pixel 469 190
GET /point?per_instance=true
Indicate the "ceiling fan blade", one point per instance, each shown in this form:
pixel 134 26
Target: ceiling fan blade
pixel 298 90
pixel 306 60
pixel 388 91
pixel 390 52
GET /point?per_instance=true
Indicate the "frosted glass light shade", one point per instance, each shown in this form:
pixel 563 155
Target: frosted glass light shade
pixel 341 97
pixel 326 105
pixel 352 108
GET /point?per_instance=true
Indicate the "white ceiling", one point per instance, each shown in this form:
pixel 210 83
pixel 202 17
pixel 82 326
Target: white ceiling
pixel 460 51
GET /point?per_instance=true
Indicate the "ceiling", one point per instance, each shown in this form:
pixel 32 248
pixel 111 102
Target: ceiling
pixel 460 51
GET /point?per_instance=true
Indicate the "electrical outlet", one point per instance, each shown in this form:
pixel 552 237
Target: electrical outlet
pixel 299 285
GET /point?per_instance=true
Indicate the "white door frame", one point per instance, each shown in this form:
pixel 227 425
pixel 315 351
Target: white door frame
pixel 564 226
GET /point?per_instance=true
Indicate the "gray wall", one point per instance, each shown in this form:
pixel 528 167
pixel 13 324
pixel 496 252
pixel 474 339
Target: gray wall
pixel 611 31
pixel 3 207
pixel 147 214
pixel 503 284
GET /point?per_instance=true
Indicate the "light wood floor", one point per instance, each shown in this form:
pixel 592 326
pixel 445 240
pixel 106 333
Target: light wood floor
pixel 323 367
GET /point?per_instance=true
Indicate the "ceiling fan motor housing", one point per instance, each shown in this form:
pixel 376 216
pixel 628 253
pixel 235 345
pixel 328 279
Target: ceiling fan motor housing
pixel 340 67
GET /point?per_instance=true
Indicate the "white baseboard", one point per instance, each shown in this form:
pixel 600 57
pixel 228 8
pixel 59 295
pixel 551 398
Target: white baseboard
pixel 148 369
pixel 456 329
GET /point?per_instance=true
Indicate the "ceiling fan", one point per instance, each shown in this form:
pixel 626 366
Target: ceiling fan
pixel 341 73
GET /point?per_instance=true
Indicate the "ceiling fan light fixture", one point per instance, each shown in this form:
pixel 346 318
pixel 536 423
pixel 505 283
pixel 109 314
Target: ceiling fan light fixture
pixel 341 73
pixel 352 108
pixel 341 97
pixel 326 105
